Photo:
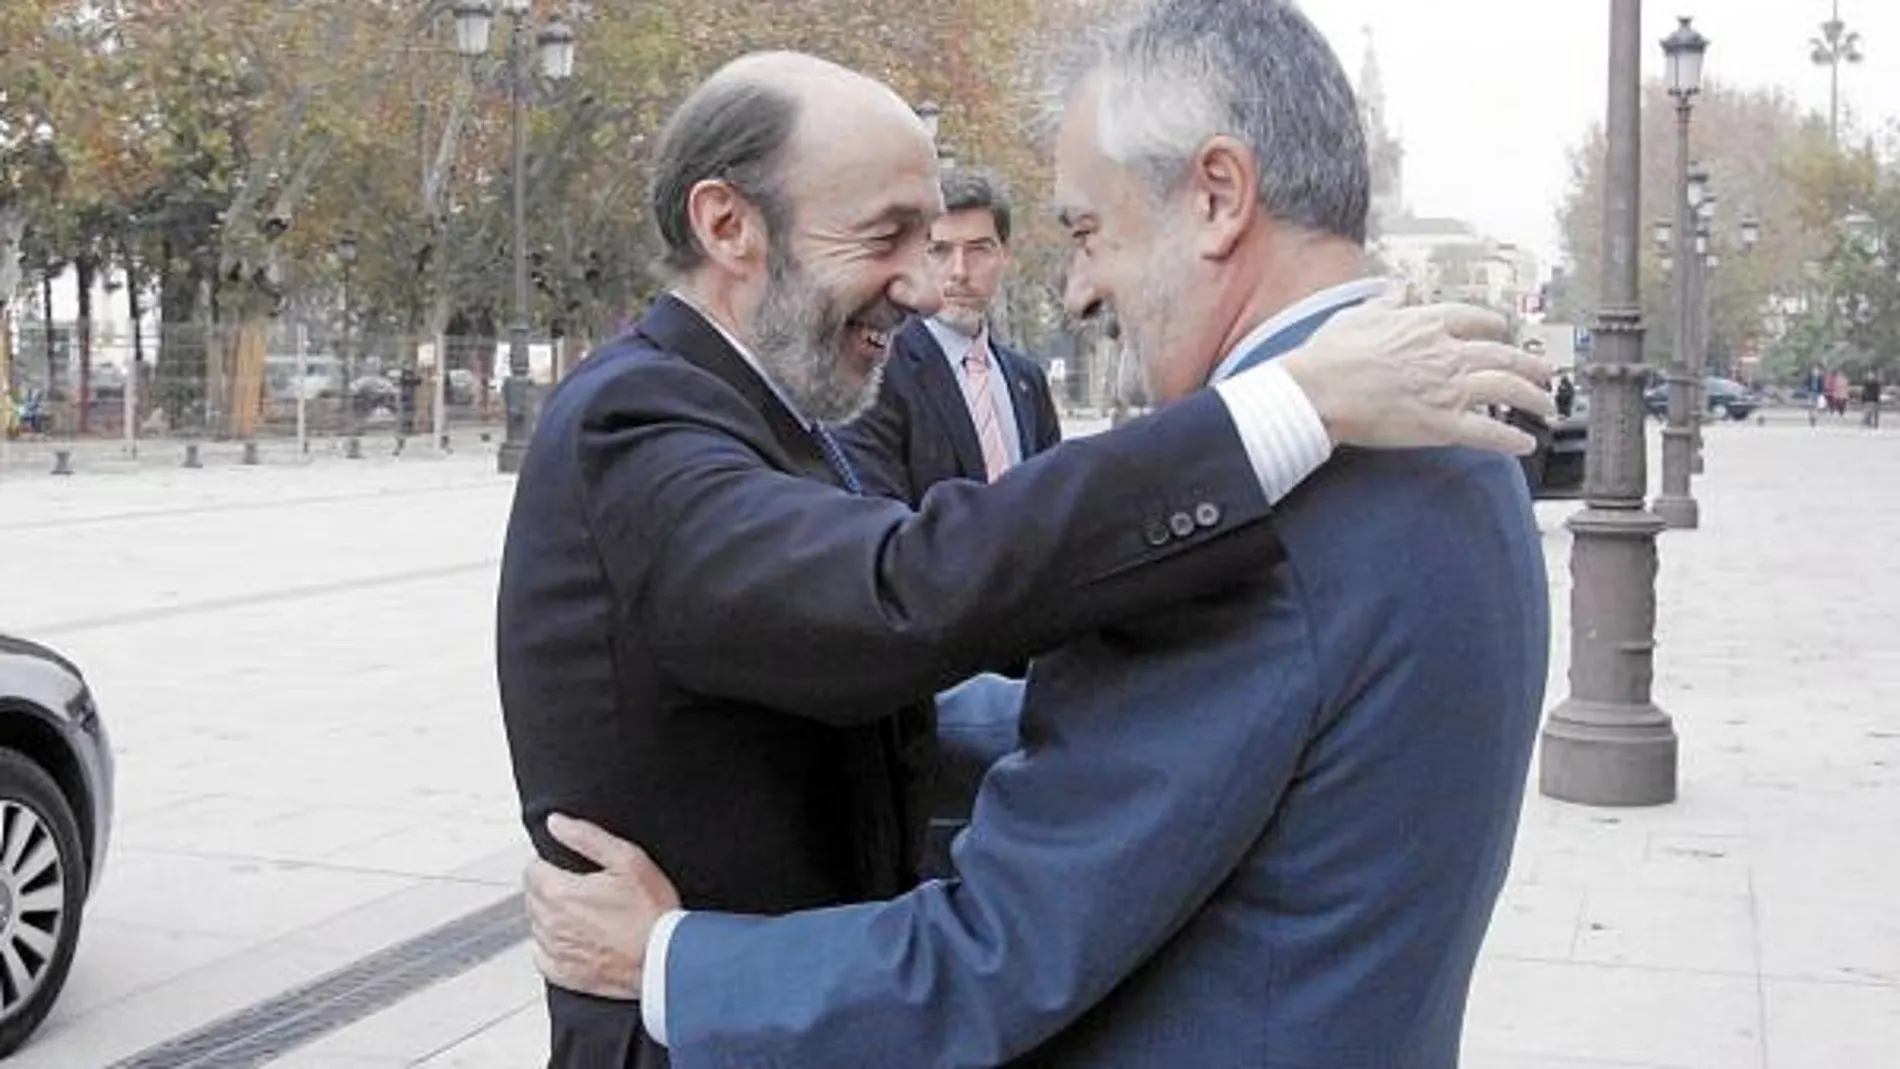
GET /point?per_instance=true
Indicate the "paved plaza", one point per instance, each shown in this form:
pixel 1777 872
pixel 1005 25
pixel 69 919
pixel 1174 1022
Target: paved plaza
pixel 295 663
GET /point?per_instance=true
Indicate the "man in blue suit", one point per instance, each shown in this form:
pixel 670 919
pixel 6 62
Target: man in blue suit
pixel 1263 829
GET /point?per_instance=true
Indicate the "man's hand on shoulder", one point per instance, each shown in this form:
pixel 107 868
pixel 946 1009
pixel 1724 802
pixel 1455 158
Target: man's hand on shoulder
pixel 590 931
pixel 1386 376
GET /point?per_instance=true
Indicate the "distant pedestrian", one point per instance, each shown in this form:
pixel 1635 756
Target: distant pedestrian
pixel 1837 393
pixel 1566 396
pixel 1870 399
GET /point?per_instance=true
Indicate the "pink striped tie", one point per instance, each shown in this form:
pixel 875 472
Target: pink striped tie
pixel 983 410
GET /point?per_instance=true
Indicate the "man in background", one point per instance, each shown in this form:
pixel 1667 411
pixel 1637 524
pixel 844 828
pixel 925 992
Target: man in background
pixel 956 403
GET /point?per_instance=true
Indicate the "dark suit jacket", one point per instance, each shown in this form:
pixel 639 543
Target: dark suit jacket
pixel 702 640
pixel 1263 830
pixel 919 433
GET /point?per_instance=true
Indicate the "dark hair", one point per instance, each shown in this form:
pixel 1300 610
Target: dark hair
pixel 730 130
pixel 970 190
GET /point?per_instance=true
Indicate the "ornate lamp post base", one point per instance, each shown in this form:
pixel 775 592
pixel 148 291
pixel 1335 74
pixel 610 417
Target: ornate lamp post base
pixel 1608 755
pixel 514 446
pixel 1608 743
pixel 1676 505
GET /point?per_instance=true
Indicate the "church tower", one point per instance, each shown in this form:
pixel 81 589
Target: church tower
pixel 1387 156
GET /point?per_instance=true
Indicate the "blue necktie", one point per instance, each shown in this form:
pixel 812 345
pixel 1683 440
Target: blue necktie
pixel 834 456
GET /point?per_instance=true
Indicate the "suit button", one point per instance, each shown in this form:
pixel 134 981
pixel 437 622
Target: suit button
pixel 1156 533
pixel 1207 514
pixel 1181 524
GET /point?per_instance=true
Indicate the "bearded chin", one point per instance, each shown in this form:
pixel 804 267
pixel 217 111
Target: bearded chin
pixel 801 336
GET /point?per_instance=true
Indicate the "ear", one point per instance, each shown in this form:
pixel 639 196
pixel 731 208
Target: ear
pixel 725 224
pixel 1223 186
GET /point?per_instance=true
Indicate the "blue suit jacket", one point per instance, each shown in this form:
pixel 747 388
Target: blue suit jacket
pixel 1265 830
pixel 919 433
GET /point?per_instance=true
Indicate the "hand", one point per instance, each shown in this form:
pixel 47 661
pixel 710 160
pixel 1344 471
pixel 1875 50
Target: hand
pixel 1385 376
pixel 590 931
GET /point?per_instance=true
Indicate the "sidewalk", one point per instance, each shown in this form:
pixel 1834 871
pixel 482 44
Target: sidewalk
pixel 312 768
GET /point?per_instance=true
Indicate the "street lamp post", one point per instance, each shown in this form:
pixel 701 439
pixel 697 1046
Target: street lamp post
pixel 1702 261
pixel 1835 46
pixel 555 44
pixel 346 390
pixel 1608 743
pixel 1676 504
pixel 932 115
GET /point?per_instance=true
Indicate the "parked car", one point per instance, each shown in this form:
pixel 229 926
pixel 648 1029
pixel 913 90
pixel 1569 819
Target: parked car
pixel 55 819
pixel 1724 397
pixel 1555 470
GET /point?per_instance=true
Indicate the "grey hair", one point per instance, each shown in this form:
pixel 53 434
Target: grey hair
pixel 1182 71
pixel 730 129
pixel 969 190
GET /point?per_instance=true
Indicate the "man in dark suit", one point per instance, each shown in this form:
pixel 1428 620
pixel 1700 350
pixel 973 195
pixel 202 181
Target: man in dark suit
pixel 955 402
pixel 1264 828
pixel 705 641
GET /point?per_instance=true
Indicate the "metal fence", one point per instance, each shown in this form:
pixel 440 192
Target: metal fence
pixel 283 394
pixel 193 395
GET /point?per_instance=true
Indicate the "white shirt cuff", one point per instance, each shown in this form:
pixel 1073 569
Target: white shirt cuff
pixel 1281 430
pixel 653 980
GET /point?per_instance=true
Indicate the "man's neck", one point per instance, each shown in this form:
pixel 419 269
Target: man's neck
pixel 1289 272
pixel 719 304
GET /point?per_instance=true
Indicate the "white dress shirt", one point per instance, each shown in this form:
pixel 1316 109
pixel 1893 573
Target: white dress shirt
pixel 1285 442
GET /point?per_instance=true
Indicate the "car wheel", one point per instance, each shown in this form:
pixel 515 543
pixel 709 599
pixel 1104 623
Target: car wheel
pixel 42 892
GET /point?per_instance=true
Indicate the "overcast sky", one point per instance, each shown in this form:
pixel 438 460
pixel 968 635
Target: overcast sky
pixel 1489 96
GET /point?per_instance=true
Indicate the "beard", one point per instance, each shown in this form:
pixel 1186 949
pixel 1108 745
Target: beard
pixel 1147 320
pixel 966 321
pixel 806 335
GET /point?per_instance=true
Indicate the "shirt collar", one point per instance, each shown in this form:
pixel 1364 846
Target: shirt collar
pixel 954 343
pixel 1324 301
pixel 745 353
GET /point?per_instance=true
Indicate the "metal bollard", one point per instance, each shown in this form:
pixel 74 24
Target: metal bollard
pixel 353 448
pixel 191 455
pixel 250 452
pixel 62 462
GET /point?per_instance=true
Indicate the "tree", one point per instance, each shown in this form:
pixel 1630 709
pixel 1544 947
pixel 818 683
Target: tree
pixel 1851 202
pixel 1746 140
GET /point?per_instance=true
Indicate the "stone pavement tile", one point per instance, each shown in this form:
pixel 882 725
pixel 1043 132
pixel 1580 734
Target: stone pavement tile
pixel 438 847
pixel 389 920
pixel 1535 921
pixel 1655 929
pixel 516 1041
pixel 1616 1014
pixel 235 825
pixel 158 1013
pixel 231 896
pixel 1471 1059
pixel 197 995
pixel 1815 936
pixel 438 1017
pixel 1832 1026
pixel 117 958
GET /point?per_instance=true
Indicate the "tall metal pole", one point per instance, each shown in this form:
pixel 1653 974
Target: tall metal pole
pixel 1699 356
pixel 1676 505
pixel 352 441
pixel 514 445
pixel 1608 743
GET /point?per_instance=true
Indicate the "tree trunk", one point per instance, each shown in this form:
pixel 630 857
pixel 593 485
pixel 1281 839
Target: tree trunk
pixel 245 363
pixel 84 270
pixel 180 367
pixel 135 375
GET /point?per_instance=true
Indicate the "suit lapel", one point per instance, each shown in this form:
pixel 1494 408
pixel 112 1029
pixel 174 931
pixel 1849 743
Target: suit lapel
pixel 676 327
pixel 1022 398
pixel 940 384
